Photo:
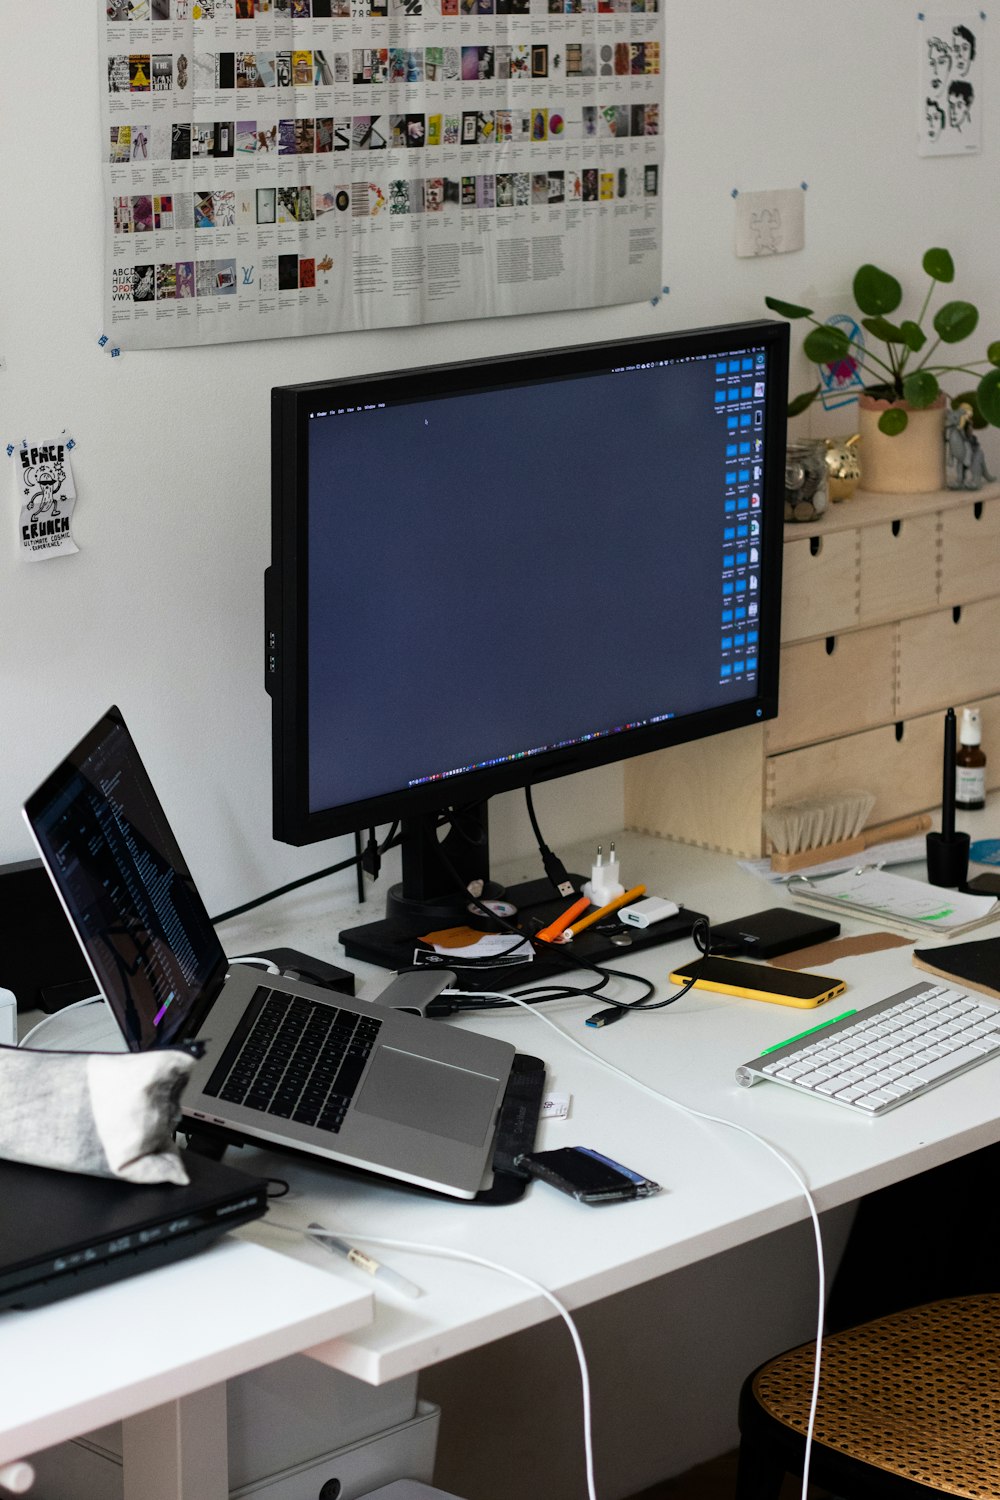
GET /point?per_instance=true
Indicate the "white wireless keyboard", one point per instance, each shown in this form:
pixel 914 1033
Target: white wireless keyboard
pixel 894 1050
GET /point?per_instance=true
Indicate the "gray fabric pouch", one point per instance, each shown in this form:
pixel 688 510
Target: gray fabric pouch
pixel 104 1113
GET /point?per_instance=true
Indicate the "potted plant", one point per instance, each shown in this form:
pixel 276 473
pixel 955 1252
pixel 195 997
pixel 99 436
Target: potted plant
pixel 902 401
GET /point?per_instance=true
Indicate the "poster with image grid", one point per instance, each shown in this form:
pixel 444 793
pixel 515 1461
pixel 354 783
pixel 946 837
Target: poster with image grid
pixel 284 167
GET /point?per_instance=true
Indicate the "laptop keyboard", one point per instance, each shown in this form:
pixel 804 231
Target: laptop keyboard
pixel 295 1059
pixel 892 1051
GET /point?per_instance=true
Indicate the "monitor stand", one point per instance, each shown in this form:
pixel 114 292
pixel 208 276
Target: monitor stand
pixel 434 894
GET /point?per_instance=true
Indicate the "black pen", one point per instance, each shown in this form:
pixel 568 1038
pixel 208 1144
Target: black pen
pixel 948 787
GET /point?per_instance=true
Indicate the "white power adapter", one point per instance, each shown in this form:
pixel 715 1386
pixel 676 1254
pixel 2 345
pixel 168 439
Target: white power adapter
pixel 644 913
pixel 8 1019
pixel 604 884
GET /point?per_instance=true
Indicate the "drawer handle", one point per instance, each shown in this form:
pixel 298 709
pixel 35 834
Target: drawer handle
pixel 977 510
pixel 956 614
pixel 897 527
pixel 831 644
pixel 900 727
pixel 815 544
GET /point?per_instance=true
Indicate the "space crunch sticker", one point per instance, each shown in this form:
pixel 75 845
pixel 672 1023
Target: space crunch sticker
pixel 43 479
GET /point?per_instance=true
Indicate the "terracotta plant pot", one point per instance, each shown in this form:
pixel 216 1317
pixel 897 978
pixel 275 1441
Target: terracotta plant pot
pixel 911 463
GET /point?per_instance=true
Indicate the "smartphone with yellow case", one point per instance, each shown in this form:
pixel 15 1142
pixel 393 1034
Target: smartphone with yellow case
pixel 752 981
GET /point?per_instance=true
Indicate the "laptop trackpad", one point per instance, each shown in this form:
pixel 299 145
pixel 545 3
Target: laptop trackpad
pixel 432 1096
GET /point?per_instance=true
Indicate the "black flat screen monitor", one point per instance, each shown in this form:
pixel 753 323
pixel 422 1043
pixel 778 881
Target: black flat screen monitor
pixel 488 574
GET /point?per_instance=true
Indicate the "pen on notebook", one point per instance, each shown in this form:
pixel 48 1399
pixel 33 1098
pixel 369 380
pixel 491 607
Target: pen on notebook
pixel 558 927
pixel 363 1261
pixel 809 1031
pixel 605 911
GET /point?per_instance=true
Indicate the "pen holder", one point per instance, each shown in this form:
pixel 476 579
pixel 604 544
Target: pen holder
pixel 947 859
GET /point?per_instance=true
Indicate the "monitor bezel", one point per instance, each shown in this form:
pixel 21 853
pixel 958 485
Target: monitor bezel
pixel 286 591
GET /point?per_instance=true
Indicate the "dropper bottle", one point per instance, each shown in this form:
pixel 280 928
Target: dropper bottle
pixel 970 763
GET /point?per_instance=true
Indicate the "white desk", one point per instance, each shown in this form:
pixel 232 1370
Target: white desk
pixel 69 1367
pixel 722 1190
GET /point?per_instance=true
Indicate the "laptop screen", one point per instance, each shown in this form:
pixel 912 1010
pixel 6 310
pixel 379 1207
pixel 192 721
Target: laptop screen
pixel 126 888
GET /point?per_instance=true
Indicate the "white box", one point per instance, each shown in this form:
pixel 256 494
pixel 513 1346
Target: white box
pixel 406 1451
pixel 92 1466
pixel 8 1019
pixel 408 1489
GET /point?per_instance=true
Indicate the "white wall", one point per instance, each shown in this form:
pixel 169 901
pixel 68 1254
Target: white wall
pixel 161 611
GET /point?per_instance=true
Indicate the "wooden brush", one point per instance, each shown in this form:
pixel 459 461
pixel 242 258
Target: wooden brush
pixel 808 833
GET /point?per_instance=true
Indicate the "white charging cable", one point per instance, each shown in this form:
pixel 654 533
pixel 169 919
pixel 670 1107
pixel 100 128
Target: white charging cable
pixel 491 1265
pixel 47 1020
pixel 253 960
pixel 700 1114
pixel 16 1478
pixel 550 1297
pixel 247 958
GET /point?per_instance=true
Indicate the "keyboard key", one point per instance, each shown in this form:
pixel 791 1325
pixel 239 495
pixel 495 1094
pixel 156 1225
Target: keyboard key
pixel 944 1065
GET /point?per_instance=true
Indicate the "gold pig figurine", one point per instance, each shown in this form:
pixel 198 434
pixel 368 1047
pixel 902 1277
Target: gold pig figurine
pixel 843 466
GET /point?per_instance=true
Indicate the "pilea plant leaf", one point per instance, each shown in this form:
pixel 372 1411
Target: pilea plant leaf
pixel 824 346
pixel 802 402
pixel 876 292
pixel 921 389
pixel 893 421
pixel 787 309
pixel 955 321
pixel 988 397
pixel 939 265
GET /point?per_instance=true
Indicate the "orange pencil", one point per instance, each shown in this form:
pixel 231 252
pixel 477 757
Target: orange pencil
pixel 604 911
pixel 555 929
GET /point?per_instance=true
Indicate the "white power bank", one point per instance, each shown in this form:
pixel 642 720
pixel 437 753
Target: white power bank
pixel 647 911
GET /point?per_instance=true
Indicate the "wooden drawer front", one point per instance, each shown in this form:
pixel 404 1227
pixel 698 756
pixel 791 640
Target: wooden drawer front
pixel 943 661
pixel 905 774
pixel 824 693
pixel 819 593
pixel 970 552
pixel 899 563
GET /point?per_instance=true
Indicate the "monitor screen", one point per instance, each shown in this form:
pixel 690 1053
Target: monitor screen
pixel 488 574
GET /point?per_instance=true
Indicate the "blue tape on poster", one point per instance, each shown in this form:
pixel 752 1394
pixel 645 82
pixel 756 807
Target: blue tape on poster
pixel 985 851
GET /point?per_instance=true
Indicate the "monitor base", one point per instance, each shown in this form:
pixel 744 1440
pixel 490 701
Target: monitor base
pixel 441 911
pixel 393 942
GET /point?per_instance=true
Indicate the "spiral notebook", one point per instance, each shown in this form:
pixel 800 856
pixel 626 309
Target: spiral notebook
pixel 897 902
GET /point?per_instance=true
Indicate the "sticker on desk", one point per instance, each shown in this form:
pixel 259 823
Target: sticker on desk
pixel 44 489
pixel 464 947
pixel 555 1107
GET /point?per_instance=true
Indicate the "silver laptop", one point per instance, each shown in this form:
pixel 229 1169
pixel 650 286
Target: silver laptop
pixel 285 1063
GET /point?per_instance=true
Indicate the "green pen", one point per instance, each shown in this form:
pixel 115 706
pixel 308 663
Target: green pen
pixel 809 1031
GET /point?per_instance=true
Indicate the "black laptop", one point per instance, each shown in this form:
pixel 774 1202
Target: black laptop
pixel 62 1232
pixel 284 1063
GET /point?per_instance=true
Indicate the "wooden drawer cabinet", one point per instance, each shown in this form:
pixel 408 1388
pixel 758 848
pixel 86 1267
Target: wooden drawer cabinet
pixel 970 552
pixel 890 614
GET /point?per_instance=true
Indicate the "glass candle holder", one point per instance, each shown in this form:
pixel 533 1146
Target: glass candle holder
pixel 805 480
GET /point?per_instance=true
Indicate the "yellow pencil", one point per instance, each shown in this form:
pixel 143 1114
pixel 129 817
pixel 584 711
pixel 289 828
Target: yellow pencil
pixel 603 911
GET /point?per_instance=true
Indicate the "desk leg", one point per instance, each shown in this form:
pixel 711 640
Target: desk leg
pixel 178 1451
